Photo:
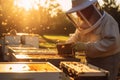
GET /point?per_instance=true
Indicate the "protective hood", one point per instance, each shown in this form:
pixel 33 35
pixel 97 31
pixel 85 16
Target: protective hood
pixel 80 4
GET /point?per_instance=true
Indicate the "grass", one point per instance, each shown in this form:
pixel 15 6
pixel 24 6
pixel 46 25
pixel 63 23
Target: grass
pixel 49 41
pixel 58 37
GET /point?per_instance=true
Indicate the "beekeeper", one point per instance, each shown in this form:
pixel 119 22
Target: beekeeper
pixel 97 34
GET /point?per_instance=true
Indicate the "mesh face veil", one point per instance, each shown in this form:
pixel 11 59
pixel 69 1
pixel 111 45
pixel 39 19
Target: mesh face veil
pixel 86 17
pixel 77 21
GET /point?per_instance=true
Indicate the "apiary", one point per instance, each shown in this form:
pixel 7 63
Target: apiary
pixel 80 71
pixel 18 39
pixel 30 39
pixel 38 55
pixel 52 58
pixel 12 40
pixel 30 71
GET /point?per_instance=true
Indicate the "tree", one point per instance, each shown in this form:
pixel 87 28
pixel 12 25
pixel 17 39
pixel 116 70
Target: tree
pixel 113 9
pixel 46 20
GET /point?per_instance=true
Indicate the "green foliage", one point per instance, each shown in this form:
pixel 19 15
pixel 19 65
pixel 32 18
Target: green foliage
pixel 113 9
pixel 61 25
pixel 45 20
pixel 49 41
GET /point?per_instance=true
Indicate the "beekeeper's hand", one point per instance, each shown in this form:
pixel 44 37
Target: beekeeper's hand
pixel 79 46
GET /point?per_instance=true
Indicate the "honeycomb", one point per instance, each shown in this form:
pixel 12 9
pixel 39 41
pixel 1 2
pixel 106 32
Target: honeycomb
pixel 77 67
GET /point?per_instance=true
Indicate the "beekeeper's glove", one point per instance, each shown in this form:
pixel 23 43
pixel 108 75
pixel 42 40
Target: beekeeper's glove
pixel 79 46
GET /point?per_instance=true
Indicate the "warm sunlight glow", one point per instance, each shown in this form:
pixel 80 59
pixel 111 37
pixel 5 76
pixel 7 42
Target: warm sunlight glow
pixel 27 4
pixel 100 2
pixel 117 2
pixel 34 4
pixel 65 4
pixel 21 56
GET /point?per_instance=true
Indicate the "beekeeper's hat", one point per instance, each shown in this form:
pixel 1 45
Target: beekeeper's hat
pixel 80 4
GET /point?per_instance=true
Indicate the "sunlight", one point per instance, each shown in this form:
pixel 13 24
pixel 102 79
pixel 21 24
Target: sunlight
pixel 34 4
pixel 65 4
pixel 117 2
pixel 27 4
pixel 100 2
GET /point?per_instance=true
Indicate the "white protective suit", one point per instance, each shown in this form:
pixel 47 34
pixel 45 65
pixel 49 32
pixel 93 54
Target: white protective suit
pixel 102 42
pixel 102 39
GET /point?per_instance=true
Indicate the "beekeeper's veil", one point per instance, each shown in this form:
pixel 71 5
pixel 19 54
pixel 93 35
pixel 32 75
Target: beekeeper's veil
pixel 84 13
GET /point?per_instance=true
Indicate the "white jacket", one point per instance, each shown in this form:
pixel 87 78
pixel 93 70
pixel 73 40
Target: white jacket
pixel 102 39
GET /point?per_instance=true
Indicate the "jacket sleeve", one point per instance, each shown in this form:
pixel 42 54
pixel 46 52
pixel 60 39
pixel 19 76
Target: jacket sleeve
pixel 108 43
pixel 74 37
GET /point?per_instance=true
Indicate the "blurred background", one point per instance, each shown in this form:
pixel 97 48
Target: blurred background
pixel 44 17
